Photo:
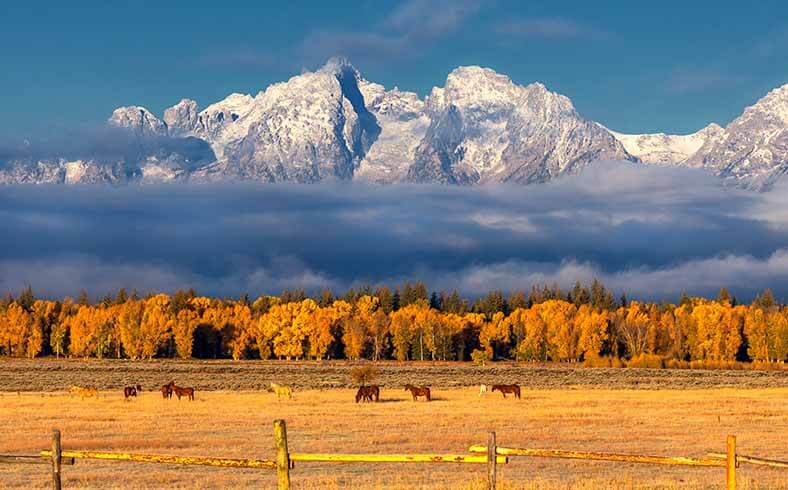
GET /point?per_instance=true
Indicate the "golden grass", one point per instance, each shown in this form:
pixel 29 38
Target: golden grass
pixel 225 424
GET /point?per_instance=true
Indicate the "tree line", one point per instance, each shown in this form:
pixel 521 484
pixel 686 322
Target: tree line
pixel 406 323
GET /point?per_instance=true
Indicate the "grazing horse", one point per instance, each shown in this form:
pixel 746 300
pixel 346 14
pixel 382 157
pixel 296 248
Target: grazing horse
pixel 482 390
pixel 367 393
pixel 84 392
pixel 166 390
pixel 417 391
pixel 504 389
pixel 129 391
pixel 179 392
pixel 281 391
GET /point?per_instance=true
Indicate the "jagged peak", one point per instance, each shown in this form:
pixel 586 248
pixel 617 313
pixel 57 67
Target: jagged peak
pixel 339 65
pixel 139 119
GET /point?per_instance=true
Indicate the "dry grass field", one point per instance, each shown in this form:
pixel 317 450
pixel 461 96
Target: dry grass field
pixel 686 422
pixel 58 374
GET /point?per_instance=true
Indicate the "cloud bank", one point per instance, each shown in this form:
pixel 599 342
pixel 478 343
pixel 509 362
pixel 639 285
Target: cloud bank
pixel 648 231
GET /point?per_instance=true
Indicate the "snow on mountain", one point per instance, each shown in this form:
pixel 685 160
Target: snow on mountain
pixel 403 123
pixel 752 150
pixel 331 124
pixel 666 149
pixel 139 120
pixel 485 128
pixel 313 127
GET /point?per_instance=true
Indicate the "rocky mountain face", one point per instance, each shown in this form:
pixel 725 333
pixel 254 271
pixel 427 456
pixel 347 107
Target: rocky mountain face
pixel 751 151
pixel 484 128
pixel 753 148
pixel 332 124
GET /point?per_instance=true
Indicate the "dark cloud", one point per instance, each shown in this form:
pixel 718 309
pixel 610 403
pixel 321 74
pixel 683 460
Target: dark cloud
pixel 650 231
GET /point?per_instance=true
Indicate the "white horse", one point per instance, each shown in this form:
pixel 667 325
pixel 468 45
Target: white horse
pixel 281 391
pixel 482 390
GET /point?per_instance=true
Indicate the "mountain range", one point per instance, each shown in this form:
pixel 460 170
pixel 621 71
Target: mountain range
pixel 332 124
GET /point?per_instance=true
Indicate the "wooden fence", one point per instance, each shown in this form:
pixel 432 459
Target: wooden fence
pixel 284 462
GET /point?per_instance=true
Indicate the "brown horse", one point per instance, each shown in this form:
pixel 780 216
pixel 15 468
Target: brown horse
pixel 129 391
pixel 504 389
pixel 367 393
pixel 179 392
pixel 166 390
pixel 417 391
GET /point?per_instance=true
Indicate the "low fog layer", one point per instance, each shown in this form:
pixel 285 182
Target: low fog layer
pixel 652 232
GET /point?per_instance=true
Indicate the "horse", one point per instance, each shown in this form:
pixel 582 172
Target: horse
pixel 179 392
pixel 129 391
pixel 166 390
pixel 504 389
pixel 367 393
pixel 417 391
pixel 482 390
pixel 281 391
pixel 84 392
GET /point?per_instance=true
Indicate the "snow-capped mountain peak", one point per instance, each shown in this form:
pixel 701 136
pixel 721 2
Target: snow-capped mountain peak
pixel 139 120
pixel 479 127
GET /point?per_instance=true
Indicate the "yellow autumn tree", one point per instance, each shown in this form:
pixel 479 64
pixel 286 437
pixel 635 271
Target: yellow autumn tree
pixel 16 326
pixel 593 326
pixel 129 324
pixel 183 328
pixel 562 336
pixel 156 325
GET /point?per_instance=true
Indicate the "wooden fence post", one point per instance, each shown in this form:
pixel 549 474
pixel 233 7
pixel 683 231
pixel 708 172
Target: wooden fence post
pixel 282 455
pixel 492 458
pixel 730 463
pixel 56 459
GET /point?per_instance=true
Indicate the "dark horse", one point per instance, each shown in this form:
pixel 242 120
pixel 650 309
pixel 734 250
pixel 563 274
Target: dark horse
pixel 367 393
pixel 504 389
pixel 132 391
pixel 166 390
pixel 418 391
pixel 179 392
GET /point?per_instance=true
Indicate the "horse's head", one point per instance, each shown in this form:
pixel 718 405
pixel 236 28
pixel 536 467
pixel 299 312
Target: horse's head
pixel 408 387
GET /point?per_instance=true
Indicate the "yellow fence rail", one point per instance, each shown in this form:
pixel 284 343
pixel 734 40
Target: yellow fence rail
pixel 393 458
pixel 628 458
pixel 492 456
pixel 165 459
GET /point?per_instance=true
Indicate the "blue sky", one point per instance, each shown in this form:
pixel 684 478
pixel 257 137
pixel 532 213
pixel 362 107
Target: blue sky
pixel 634 66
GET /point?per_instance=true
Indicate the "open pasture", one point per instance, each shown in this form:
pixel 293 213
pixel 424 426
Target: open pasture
pixel 51 374
pixel 687 422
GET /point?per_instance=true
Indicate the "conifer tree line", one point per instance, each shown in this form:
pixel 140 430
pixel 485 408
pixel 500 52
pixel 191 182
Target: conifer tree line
pixel 406 323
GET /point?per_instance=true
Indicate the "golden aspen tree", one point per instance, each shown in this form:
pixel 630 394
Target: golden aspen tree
pixel 777 335
pixel 494 335
pixel 183 327
pixel 60 329
pixel 44 316
pixel 129 324
pixel 632 326
pixel 402 331
pixel 379 332
pixel 17 326
pixel 593 326
pixel 562 337
pixel 156 324
pixel 239 320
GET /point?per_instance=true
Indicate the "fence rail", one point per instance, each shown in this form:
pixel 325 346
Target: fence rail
pixel 165 459
pixel 493 455
pixel 629 458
